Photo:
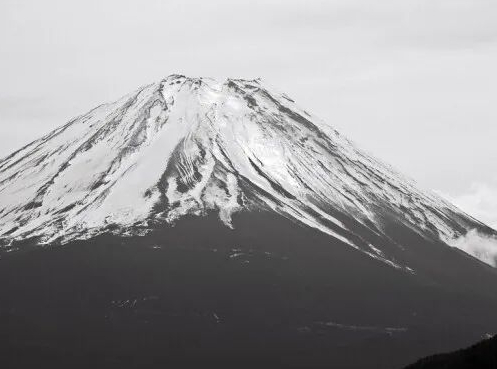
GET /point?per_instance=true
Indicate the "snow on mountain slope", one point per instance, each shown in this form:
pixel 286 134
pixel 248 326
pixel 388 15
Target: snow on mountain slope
pixel 191 146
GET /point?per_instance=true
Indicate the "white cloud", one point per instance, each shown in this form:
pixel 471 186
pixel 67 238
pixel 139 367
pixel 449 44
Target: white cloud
pixel 480 246
pixel 480 202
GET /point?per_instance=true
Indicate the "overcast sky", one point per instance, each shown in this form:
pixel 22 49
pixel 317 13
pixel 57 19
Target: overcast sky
pixel 413 81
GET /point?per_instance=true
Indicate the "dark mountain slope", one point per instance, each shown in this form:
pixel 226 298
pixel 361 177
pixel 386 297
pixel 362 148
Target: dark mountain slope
pixel 269 293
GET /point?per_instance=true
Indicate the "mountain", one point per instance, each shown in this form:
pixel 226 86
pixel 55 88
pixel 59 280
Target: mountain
pixel 482 355
pixel 196 221
pixel 191 146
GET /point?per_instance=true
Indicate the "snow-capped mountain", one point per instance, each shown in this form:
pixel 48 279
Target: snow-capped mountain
pixel 195 146
pixel 196 223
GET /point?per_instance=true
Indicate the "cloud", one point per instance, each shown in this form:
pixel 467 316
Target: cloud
pixel 480 246
pixel 480 201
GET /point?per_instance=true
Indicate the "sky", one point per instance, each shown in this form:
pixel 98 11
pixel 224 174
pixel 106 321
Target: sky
pixel 413 82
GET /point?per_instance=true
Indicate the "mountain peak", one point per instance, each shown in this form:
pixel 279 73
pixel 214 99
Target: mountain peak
pixel 181 78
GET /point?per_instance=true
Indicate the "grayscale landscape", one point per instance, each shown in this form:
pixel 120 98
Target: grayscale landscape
pixel 299 212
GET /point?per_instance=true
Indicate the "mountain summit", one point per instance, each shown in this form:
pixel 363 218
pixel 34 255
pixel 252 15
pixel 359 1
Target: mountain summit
pixel 186 146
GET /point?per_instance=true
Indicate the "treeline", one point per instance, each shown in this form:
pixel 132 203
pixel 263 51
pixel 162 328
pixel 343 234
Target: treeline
pixel 482 355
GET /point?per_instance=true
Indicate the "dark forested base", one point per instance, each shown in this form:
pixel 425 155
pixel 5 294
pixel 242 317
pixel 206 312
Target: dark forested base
pixel 481 356
pixel 268 294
